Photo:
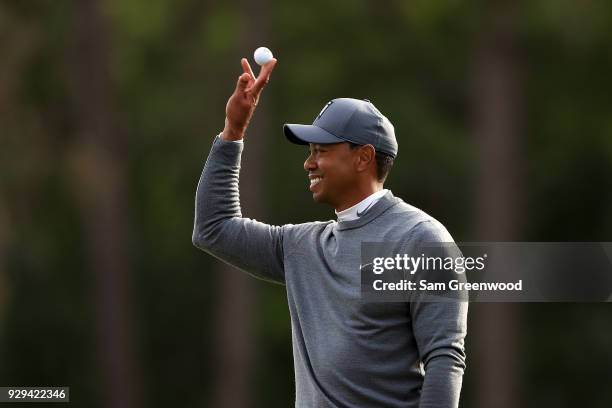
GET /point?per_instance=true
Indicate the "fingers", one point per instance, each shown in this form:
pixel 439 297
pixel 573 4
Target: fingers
pixel 243 81
pixel 263 78
pixel 247 67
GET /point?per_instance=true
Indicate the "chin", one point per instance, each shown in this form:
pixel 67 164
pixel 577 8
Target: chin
pixel 319 198
pixel 322 199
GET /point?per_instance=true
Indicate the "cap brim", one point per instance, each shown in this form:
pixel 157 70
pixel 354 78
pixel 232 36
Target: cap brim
pixel 305 134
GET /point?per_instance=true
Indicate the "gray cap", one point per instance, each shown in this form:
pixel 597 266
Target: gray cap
pixel 347 120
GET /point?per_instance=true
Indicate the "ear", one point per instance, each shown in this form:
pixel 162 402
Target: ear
pixel 366 157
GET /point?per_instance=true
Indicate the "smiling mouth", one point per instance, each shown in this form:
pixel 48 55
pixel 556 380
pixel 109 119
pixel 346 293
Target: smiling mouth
pixel 314 181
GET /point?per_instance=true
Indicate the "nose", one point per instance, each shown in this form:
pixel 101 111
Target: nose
pixel 309 164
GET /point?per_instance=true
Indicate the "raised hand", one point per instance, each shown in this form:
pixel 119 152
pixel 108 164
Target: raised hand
pixel 242 103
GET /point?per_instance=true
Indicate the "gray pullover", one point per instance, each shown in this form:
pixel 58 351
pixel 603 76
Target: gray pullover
pixel 347 353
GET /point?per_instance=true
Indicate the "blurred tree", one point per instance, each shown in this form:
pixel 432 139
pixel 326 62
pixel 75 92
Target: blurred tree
pixel 4 231
pixel 100 190
pixel 18 42
pixel 496 103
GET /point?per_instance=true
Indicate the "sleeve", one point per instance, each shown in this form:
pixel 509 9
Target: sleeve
pixel 439 328
pixel 219 228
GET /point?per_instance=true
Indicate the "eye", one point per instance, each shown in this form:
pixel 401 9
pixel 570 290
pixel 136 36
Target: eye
pixel 317 150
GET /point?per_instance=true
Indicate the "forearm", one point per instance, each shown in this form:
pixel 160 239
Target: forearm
pixel 219 228
pixel 442 384
pixel 217 194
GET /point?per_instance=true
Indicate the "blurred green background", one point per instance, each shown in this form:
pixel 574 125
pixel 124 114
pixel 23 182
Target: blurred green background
pixel 502 111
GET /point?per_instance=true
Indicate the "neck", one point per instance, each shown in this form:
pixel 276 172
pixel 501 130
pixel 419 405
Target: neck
pixel 359 195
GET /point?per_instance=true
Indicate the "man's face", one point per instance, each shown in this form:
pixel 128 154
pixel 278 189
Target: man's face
pixel 331 172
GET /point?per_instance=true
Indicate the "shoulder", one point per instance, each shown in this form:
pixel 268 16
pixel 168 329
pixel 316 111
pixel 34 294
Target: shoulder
pixel 417 224
pixel 430 230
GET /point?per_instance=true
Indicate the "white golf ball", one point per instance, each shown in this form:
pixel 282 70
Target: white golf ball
pixel 262 55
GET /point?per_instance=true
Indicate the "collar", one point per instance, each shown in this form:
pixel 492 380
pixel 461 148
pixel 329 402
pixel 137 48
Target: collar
pixel 356 211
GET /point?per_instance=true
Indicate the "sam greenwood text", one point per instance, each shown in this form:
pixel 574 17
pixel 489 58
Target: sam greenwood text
pixel 454 285
pixel 458 264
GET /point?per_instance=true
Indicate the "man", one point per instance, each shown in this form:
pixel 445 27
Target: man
pixel 347 352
